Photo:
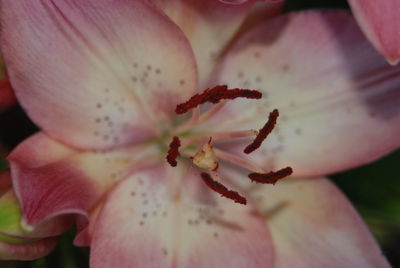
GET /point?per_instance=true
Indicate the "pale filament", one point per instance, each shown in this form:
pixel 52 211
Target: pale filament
pixel 197 118
pixel 193 120
pixel 212 111
pixel 239 161
pixel 223 135
pixel 197 138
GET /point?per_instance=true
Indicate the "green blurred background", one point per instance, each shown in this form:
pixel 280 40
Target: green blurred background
pixel 374 189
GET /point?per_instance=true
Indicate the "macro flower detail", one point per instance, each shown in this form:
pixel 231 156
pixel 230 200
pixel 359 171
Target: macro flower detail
pixel 380 24
pixel 17 243
pixel 206 157
pixel 103 80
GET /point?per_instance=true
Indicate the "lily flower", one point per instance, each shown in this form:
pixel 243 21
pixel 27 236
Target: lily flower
pixel 105 79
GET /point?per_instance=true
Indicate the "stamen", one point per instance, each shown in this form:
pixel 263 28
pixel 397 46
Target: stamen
pixel 237 160
pixel 221 189
pixel 271 177
pixel 212 111
pixel 263 133
pixel 217 136
pixel 194 119
pixel 215 95
pixel 173 151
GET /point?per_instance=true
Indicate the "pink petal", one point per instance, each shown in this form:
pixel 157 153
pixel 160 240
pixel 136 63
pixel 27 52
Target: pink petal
pixel 96 74
pixel 10 223
pixel 51 179
pixel 380 22
pixel 339 101
pixel 85 227
pixel 314 225
pixel 163 217
pixel 27 251
pixel 209 25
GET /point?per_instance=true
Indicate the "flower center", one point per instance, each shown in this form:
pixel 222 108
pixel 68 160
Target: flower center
pixel 206 157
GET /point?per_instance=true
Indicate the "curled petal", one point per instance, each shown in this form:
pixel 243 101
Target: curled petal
pixel 147 221
pixel 85 227
pixel 27 251
pixel 10 223
pixel 96 74
pixel 339 101
pixel 380 22
pixel 51 179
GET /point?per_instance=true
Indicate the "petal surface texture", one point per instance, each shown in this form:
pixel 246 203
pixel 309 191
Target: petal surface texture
pixel 209 25
pixel 339 101
pixel 380 22
pixel 51 179
pixel 318 228
pixel 313 225
pixel 145 224
pixel 95 74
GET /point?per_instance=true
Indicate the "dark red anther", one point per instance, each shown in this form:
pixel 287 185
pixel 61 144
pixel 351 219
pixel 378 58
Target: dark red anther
pixel 271 177
pixel 215 95
pixel 263 133
pixel 173 151
pixel 221 189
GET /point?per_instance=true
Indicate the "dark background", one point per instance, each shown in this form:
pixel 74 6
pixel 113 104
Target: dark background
pixel 374 189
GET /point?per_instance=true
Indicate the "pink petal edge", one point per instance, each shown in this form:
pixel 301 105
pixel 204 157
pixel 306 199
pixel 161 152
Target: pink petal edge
pixel 380 22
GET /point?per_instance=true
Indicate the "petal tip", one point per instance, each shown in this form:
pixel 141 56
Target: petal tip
pixel 393 62
pixel 26 226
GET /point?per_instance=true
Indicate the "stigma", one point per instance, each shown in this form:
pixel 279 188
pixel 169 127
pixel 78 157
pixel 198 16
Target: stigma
pixel 207 157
